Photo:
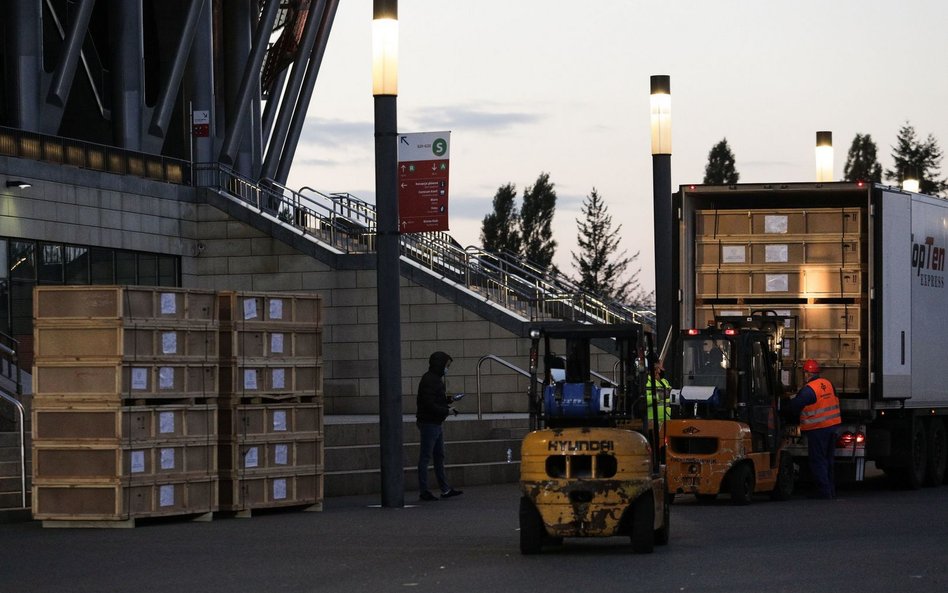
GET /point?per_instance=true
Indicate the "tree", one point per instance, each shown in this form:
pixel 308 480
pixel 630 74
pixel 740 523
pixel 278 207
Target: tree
pixel 601 268
pixel 922 159
pixel 536 220
pixel 720 168
pixel 499 230
pixel 861 162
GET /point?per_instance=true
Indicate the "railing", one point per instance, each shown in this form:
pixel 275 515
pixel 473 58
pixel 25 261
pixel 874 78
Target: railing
pixel 10 368
pixel 22 422
pixel 497 359
pixel 348 224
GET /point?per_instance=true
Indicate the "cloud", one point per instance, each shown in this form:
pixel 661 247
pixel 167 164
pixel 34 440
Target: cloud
pixel 336 132
pixel 476 120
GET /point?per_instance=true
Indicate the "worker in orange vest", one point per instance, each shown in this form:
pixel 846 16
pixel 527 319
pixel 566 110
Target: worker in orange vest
pixel 818 407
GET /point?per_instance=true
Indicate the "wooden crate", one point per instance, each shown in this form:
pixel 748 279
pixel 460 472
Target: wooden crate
pixel 242 308
pixel 56 420
pixel 164 305
pixel 809 282
pixel 269 453
pixel 88 422
pixel 100 303
pixel 102 379
pixel 76 464
pixel 171 344
pixel 271 489
pixel 274 420
pixel 271 379
pixel 160 497
pixel 169 380
pixel 67 340
pixel 838 348
pixel 101 501
pixel 771 222
pixel 271 343
pixel 732 253
pixel 163 422
pixel 173 458
pixel 846 378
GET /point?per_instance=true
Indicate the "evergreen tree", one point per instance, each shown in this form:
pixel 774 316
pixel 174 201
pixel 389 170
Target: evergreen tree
pixel 536 220
pixel 600 267
pixel 499 229
pixel 861 162
pixel 922 159
pixel 720 168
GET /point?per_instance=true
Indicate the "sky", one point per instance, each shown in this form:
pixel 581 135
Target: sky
pixel 562 87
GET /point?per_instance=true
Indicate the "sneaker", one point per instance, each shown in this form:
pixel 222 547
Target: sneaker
pixel 451 493
pixel 425 495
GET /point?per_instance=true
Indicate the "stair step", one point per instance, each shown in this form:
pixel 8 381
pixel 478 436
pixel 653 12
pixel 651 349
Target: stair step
pixel 360 457
pixel 459 476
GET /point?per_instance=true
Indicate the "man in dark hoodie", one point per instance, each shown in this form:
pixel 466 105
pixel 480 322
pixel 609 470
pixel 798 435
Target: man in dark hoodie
pixel 433 407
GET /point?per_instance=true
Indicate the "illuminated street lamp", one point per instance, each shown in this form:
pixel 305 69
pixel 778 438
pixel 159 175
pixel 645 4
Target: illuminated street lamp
pixel 385 90
pixel 824 156
pixel 910 182
pixel 665 250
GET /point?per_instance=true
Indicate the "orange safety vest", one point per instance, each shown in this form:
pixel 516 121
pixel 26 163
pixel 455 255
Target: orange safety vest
pixel 825 411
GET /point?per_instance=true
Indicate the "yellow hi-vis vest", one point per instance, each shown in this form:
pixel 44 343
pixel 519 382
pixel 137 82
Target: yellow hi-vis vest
pixel 663 412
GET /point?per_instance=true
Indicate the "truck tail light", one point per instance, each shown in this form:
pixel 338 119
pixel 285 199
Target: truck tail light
pixel 850 439
pixel 693 332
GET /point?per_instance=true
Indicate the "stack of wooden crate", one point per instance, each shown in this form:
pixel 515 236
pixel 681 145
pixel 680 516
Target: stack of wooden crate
pixel 808 264
pixel 125 403
pixel 271 406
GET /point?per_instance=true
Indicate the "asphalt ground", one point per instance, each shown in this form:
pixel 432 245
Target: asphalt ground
pixel 873 538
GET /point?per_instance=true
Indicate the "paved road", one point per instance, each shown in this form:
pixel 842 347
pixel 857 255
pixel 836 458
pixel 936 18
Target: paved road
pixel 872 539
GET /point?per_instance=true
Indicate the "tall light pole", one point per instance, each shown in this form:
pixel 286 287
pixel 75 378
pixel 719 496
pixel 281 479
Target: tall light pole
pixel 385 91
pixel 665 251
pixel 824 156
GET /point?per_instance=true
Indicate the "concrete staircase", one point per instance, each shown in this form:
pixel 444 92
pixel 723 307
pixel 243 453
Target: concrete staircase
pixel 11 500
pixel 476 452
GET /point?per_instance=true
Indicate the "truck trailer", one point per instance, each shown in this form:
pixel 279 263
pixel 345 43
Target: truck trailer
pixel 858 271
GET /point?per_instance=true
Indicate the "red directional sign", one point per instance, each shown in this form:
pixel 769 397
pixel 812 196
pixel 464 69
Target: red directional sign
pixel 423 182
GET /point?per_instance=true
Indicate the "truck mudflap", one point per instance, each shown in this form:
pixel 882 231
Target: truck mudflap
pixel 591 508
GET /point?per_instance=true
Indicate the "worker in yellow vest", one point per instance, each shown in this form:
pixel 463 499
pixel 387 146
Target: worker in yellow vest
pixel 818 407
pixel 663 387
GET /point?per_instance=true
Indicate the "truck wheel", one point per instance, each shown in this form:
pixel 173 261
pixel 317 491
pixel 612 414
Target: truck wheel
pixel 937 453
pixel 532 531
pixel 783 489
pixel 662 533
pixel 741 484
pixel 916 463
pixel 643 525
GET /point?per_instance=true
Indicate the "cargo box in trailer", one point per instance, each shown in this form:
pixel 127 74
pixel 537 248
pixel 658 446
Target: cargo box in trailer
pixel 860 271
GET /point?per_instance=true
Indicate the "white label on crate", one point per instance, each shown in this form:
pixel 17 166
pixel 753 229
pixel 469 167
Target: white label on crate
pixel 166 378
pixel 250 378
pixel 279 420
pixel 276 343
pixel 168 304
pixel 279 378
pixel 778 282
pixel 165 422
pixel 280 454
pixel 166 495
pixel 169 343
pixel 776 254
pixel 250 308
pixel 775 224
pixel 250 457
pixel 276 308
pixel 167 458
pixel 733 254
pixel 138 462
pixel 279 489
pixel 785 377
pixel 139 378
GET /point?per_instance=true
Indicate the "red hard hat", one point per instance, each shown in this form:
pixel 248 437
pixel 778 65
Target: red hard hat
pixel 811 366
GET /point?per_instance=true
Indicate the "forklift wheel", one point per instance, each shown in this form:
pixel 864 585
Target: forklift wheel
pixel 783 489
pixel 643 525
pixel 532 531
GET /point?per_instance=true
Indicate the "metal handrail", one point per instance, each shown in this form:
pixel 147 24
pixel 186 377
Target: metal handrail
pixel 21 412
pixel 497 359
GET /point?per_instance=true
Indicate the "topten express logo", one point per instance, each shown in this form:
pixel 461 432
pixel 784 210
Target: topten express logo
pixel 928 261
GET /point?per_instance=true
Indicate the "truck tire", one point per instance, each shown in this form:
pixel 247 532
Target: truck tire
pixel 916 462
pixel 532 532
pixel 741 484
pixel 937 453
pixel 783 489
pixel 643 525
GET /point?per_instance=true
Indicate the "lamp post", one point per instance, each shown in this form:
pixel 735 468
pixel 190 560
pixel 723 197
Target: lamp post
pixel 910 180
pixel 385 91
pixel 665 250
pixel 824 156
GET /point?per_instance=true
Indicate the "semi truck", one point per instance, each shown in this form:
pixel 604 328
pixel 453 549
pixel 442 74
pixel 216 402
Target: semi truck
pixel 858 272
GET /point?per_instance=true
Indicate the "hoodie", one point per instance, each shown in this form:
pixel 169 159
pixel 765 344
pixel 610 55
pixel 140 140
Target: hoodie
pixel 432 405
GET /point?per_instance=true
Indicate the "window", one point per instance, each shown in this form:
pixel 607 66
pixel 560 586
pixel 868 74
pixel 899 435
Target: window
pixel 23 260
pixel 126 268
pixel 101 266
pixel 77 265
pixel 50 269
pixel 147 269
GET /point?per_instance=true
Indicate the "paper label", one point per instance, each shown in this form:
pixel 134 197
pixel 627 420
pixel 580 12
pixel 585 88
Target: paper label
pixel 250 378
pixel 276 343
pixel 168 304
pixel 276 308
pixel 166 378
pixel 165 422
pixel 250 457
pixel 250 308
pixel 166 495
pixel 138 462
pixel 777 282
pixel 733 254
pixel 731 313
pixel 169 343
pixel 279 420
pixel 775 223
pixel 279 378
pixel 167 458
pixel 139 378
pixel 776 253
pixel 280 454
pixel 279 489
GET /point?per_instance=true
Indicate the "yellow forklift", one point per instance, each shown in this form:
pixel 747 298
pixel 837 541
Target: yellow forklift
pixel 727 434
pixel 588 467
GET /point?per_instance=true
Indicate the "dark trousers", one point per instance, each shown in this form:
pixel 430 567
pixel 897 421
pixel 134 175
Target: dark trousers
pixel 432 446
pixel 821 445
